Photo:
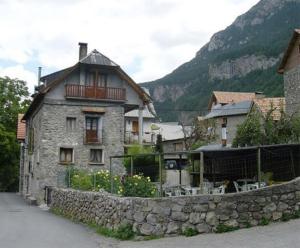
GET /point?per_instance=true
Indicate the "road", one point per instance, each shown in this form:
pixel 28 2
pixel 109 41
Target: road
pixel 31 227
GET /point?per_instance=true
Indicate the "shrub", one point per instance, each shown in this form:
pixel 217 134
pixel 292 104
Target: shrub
pixel 124 232
pixel 189 232
pixel 286 217
pixel 81 180
pixel 138 186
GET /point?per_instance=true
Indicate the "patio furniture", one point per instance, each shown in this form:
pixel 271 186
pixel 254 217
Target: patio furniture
pixel 218 190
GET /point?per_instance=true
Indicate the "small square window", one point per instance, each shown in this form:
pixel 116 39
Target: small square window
pixel 96 156
pixel 66 155
pixel 71 124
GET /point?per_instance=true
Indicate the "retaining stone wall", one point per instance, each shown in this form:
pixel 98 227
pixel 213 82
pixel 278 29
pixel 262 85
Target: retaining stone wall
pixel 171 215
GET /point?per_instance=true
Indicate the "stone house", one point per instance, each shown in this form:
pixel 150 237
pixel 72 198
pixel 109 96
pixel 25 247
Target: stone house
pixel 290 68
pixel 77 118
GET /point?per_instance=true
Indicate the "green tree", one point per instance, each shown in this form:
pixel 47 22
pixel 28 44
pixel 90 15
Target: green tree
pixel 13 100
pixel 249 133
pixel 9 160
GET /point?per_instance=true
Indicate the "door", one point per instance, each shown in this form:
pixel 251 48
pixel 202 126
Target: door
pixel 92 130
pixel 135 127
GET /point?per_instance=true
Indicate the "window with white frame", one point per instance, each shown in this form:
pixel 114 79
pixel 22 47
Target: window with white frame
pixel 96 156
pixel 71 124
pixel 66 155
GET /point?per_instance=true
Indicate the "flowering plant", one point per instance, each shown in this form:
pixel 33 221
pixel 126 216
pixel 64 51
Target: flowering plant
pixel 138 186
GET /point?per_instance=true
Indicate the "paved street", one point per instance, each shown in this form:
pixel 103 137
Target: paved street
pixel 31 227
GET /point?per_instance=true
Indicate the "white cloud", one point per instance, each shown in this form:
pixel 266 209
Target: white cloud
pixel 148 38
pixel 19 72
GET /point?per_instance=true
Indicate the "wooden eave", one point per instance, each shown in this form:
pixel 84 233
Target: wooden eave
pixel 288 51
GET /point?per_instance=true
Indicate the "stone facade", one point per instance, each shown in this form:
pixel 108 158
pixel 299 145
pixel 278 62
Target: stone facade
pixel 292 90
pixel 172 215
pixel 57 123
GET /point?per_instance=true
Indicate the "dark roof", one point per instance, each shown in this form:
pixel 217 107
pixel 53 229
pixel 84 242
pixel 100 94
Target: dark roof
pixel 93 58
pixel 52 76
pixel 239 108
pixel 288 51
pixel 220 148
pixel 97 58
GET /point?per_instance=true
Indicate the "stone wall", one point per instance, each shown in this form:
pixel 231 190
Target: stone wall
pixel 292 90
pixel 171 215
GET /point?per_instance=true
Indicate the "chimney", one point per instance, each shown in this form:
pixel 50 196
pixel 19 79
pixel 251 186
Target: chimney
pixel 82 50
pixel 39 75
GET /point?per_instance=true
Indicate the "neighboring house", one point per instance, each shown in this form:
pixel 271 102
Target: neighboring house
pixel 230 115
pixel 228 112
pixel 132 125
pixel 290 68
pixel 172 138
pixel 77 118
pixel 225 97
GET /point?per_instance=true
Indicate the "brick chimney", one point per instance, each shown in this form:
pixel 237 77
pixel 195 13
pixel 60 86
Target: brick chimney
pixel 82 50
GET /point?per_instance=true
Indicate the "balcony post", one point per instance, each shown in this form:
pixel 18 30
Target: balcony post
pixel 141 125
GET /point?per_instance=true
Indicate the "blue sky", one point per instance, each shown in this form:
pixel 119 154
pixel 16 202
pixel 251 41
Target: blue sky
pixel 147 38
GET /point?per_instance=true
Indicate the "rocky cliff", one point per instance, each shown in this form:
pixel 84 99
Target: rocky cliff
pixel 243 57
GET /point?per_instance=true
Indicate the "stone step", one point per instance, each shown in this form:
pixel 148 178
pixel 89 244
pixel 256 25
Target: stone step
pixel 31 200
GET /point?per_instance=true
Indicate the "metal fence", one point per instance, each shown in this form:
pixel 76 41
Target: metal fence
pixel 216 171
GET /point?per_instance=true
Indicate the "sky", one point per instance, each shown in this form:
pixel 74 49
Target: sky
pixel 147 38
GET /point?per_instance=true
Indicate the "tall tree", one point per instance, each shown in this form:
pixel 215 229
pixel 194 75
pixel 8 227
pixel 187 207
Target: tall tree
pixel 14 99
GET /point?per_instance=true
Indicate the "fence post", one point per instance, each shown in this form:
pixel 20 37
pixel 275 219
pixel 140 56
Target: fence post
pixel 259 166
pixel 160 174
pixel 131 165
pixel 94 179
pixel 111 177
pixel 201 170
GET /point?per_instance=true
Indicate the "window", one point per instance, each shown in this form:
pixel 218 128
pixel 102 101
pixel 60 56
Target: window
pixel 71 124
pixel 94 78
pixel 96 156
pixel 178 146
pixel 66 155
pixel 93 130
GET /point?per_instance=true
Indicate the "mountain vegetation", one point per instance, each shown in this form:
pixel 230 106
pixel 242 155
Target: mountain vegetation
pixel 244 57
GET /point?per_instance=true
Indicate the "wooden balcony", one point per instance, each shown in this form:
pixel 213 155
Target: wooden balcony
pixel 98 93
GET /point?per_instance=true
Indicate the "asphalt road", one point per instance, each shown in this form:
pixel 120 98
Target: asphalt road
pixel 23 226
pixel 31 227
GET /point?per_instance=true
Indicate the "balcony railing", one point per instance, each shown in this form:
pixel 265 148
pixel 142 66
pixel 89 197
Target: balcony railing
pixel 92 137
pixel 133 137
pixel 91 92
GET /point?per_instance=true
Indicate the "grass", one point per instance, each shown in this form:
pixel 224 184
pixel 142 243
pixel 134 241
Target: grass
pixel 189 232
pixel 221 228
pixel 264 221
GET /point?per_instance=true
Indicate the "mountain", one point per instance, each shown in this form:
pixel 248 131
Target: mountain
pixel 243 57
